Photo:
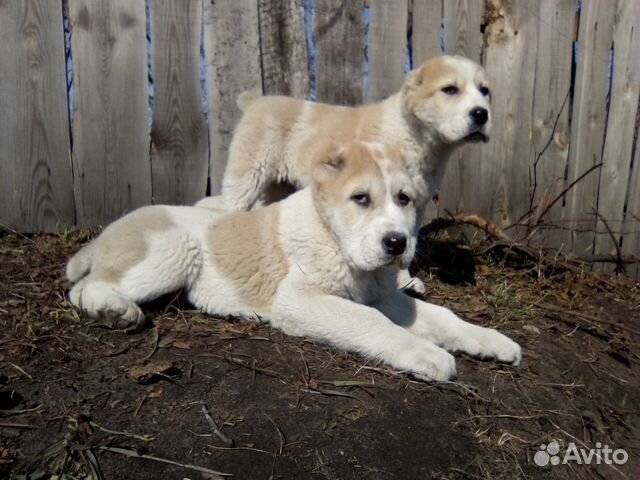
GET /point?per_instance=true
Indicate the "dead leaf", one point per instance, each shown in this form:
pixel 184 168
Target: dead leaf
pixel 154 371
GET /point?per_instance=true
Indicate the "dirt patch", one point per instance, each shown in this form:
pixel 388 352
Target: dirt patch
pixel 79 399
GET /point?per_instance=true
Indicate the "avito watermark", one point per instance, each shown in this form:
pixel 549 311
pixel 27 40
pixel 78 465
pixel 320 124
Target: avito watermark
pixel 550 454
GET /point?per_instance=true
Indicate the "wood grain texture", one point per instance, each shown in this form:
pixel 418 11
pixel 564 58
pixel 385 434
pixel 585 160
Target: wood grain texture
pixel 387 44
pixel 551 107
pixel 631 239
pixel 426 22
pixel 112 170
pixel 588 122
pixel 510 57
pixel 36 190
pixel 339 39
pixel 459 191
pixel 620 131
pixel 232 50
pixel 283 47
pixel 179 136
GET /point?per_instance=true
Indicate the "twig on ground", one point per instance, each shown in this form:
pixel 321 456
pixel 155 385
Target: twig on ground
pixel 134 454
pixel 283 441
pixel 156 341
pixel 588 318
pixel 215 429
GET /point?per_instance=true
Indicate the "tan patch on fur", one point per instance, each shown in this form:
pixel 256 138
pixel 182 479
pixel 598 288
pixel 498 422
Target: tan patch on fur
pixel 263 117
pixel 245 248
pixel 122 245
pixel 429 78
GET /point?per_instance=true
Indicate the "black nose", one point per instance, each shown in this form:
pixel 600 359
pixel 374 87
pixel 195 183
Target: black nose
pixel 479 115
pixel 394 243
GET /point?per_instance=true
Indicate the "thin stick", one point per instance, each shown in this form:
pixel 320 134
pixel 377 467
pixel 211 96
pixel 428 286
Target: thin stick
pixel 215 430
pixel 131 453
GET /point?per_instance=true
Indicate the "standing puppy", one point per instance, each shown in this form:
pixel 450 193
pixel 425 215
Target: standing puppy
pixel 321 263
pixel 442 104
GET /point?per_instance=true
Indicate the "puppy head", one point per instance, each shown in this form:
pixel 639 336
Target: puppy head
pixel 449 97
pixel 367 200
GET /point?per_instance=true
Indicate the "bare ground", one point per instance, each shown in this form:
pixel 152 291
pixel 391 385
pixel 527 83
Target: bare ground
pixel 80 400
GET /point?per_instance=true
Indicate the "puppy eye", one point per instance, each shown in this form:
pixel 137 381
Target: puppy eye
pixel 450 90
pixel 361 199
pixel 403 199
pixel 485 91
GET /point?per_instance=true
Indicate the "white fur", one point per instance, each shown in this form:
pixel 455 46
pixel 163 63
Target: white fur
pixel 338 285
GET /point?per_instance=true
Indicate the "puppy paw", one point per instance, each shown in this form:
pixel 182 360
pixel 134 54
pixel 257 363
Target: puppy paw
pixel 494 345
pixel 433 364
pixel 416 286
pixel 132 320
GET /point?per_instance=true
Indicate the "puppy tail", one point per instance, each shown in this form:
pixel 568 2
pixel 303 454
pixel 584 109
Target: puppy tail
pixel 245 99
pixel 80 263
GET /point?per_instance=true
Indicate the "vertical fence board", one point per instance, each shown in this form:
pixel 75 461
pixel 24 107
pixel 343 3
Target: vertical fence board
pixel 110 128
pixel 339 37
pixel 386 47
pixel 179 137
pixel 36 190
pixel 510 55
pixel 588 122
pixel 620 129
pixel 631 239
pixel 464 19
pixel 459 190
pixel 283 47
pixel 426 21
pixel 551 107
pixel 232 48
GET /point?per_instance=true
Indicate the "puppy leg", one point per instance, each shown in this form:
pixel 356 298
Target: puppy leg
pixel 98 298
pixel 441 326
pixel 358 328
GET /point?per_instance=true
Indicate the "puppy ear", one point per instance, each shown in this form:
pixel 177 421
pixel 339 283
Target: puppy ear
pixel 414 78
pixel 330 166
pixel 336 160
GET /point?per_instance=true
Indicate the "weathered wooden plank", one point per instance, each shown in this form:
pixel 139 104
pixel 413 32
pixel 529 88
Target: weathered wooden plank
pixel 459 190
pixel 551 107
pixel 588 121
pixel 631 238
pixel 36 190
pixel 339 38
pixel 179 137
pixel 283 47
pixel 464 19
pixel 386 47
pixel 426 22
pixel 620 130
pixel 510 56
pixel 232 49
pixel 110 128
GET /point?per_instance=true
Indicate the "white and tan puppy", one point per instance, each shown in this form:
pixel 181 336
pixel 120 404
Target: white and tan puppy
pixel 442 104
pixel 321 263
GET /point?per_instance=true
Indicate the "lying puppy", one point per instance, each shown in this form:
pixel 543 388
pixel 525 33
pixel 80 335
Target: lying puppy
pixel 321 263
pixel 442 104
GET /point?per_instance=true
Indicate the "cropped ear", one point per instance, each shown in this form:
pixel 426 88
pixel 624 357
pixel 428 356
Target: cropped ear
pixel 330 166
pixel 414 78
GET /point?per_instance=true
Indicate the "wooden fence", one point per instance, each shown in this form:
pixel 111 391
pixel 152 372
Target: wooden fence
pixel 83 147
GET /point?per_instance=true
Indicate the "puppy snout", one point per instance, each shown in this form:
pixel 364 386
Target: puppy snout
pixel 479 115
pixel 394 243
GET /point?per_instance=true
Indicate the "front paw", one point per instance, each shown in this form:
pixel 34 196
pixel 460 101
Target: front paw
pixel 492 344
pixel 433 363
